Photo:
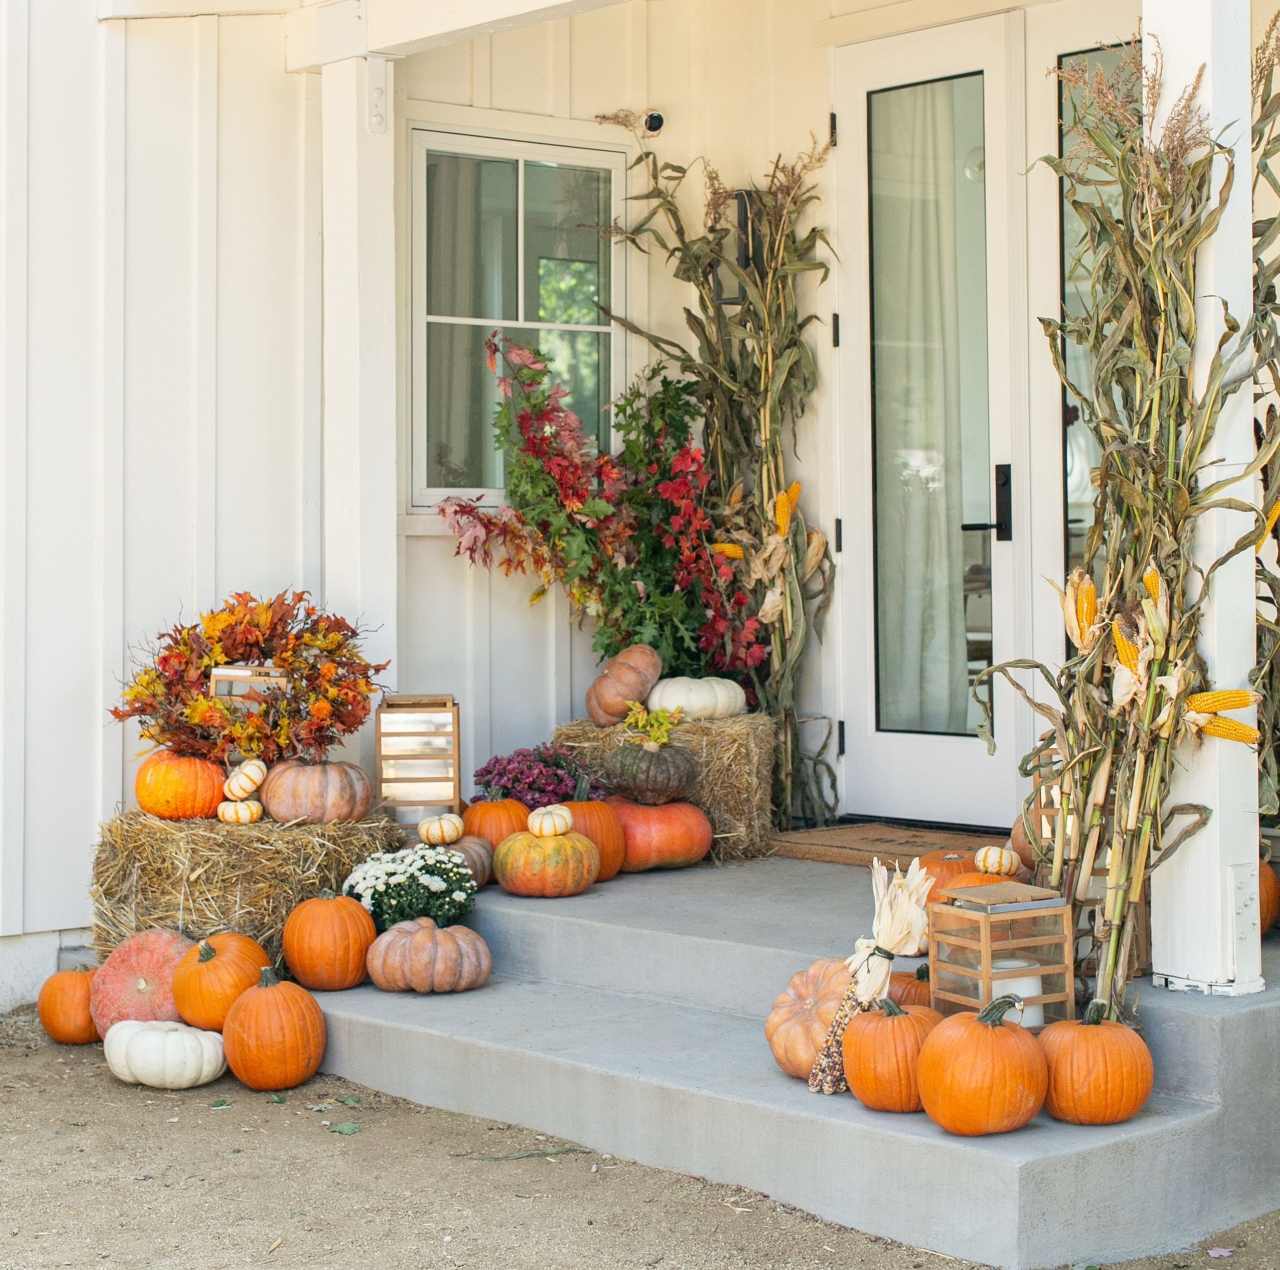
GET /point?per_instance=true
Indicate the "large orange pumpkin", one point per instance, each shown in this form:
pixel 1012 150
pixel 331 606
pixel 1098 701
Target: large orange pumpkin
pixel 600 823
pixel 63 1006
pixel 207 981
pixel 1100 1072
pixel 944 866
pixel 907 988
pixel 801 1016
pixel 970 879
pixel 881 1051
pixel 1268 896
pixel 176 788
pixel 496 820
pixel 227 940
pixel 548 867
pixel 628 677
pixel 316 793
pixel 326 940
pixel 274 1035
pixel 669 836
pixel 136 980
pixel 982 1073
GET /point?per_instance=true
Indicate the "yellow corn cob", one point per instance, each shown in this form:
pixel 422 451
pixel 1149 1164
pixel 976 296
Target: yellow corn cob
pixel 782 513
pixel 1272 516
pixel 1086 604
pixel 1231 730
pixel 1151 580
pixel 793 494
pixel 1222 699
pixel 729 549
pixel 1126 650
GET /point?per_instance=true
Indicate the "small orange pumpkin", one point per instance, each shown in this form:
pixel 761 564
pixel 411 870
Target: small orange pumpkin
pixel 326 940
pixel 944 867
pixel 1100 1072
pixel 908 988
pixel 669 836
pixel 600 823
pixel 207 981
pixel 63 1006
pixel 274 1035
pixel 496 820
pixel 881 1052
pixel 176 788
pixel 801 1016
pixel 563 864
pixel 1268 896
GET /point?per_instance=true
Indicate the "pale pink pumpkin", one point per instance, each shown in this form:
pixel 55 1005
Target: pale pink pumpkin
pixel 136 981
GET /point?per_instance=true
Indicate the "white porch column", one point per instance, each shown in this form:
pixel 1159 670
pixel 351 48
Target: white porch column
pixel 1204 901
pixel 359 479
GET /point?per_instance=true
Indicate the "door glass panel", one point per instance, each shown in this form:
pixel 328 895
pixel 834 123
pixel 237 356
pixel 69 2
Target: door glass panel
pixel 930 403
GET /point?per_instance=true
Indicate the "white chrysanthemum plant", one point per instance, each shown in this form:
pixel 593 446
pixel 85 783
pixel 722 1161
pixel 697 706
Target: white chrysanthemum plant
pixel 422 881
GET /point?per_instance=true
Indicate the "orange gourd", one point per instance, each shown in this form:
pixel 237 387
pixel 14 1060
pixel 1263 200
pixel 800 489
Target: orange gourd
pixel 208 980
pixel 982 1073
pixel 600 823
pixel 669 836
pixel 550 867
pixel 63 1006
pixel 881 1053
pixel 495 821
pixel 326 940
pixel 801 1016
pixel 1268 896
pixel 176 788
pixel 274 1035
pixel 944 866
pixel 1100 1072
pixel 136 980
pixel 910 988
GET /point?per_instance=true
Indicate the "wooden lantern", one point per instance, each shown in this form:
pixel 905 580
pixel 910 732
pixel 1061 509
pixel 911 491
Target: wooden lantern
pixel 234 682
pixel 983 948
pixel 417 753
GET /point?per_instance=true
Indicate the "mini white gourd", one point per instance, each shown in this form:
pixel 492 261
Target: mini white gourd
pixel 710 698
pixel 550 822
pixel 163 1055
pixel 248 811
pixel 441 831
pixel 1002 860
pixel 245 779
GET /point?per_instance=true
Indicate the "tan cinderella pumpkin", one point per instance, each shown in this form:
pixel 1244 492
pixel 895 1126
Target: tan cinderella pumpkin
pixel 801 1016
pixel 418 956
pixel 628 677
pixel 316 793
pixel 479 857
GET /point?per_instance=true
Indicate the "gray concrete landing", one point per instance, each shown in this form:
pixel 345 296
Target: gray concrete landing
pixel 630 1019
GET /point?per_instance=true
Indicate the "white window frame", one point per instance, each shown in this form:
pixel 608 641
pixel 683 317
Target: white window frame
pixel 424 139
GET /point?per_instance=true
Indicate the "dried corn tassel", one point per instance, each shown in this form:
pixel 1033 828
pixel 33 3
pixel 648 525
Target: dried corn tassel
pixel 1231 730
pixel 730 550
pixel 1223 699
pixel 1126 650
pixel 782 513
pixel 1272 516
pixel 793 495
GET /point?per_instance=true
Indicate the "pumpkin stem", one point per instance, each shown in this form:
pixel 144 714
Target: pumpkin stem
pixel 268 978
pixel 1094 1012
pixel 327 894
pixel 922 973
pixel 891 1008
pixel 582 790
pixel 207 951
pixel 993 1015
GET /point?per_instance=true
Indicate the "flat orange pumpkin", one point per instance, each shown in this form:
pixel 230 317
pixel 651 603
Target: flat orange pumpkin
pixel 801 1015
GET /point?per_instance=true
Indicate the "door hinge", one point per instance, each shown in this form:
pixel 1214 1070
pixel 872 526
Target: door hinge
pixel 839 534
pixel 840 739
pixel 835 330
pixel 834 132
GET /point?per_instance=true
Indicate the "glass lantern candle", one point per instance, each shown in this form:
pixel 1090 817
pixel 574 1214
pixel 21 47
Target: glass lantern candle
pixel 417 755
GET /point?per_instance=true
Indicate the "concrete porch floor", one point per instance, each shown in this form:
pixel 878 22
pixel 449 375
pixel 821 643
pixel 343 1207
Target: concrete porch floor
pixel 630 1019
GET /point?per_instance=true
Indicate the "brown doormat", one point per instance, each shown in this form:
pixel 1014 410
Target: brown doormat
pixel 860 844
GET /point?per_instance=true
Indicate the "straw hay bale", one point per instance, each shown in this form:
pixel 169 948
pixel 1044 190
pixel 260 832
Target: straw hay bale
pixel 201 876
pixel 736 783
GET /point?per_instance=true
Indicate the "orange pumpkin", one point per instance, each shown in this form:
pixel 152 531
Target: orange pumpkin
pixel 316 793
pixel 881 1052
pixel 628 677
pixel 63 1006
pixel 972 879
pixel 136 980
pixel 227 940
pixel 1100 1072
pixel 600 823
pixel 944 866
pixel 495 821
pixel 1268 896
pixel 801 1016
pixel 208 980
pixel 176 788
pixel 274 1035
pixel 1019 841
pixel 670 836
pixel 908 988
pixel 326 940
pixel 982 1073
pixel 558 865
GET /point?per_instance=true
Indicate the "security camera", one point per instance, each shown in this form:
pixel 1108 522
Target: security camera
pixel 653 121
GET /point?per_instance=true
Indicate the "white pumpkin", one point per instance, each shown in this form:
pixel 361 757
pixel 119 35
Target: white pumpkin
pixel 699 698
pixel 245 779
pixel 163 1055
pixel 247 811
pixel 441 831
pixel 550 822
pixel 1002 860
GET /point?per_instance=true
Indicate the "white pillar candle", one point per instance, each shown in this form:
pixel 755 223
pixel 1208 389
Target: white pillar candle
pixel 1023 986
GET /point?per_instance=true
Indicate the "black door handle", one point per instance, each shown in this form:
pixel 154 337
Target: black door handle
pixel 1003 523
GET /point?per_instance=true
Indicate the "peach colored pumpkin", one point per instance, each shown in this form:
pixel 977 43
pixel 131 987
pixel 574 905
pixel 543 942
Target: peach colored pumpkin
pixel 478 855
pixel 316 793
pixel 419 956
pixel 628 677
pixel 801 1016
pixel 136 980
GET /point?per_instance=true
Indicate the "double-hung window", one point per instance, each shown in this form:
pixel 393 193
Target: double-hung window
pixel 507 237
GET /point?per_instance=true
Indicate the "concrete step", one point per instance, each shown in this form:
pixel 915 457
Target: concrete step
pixel 697 1091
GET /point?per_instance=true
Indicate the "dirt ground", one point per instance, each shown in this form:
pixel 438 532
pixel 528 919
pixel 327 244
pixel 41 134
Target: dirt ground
pixel 96 1173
